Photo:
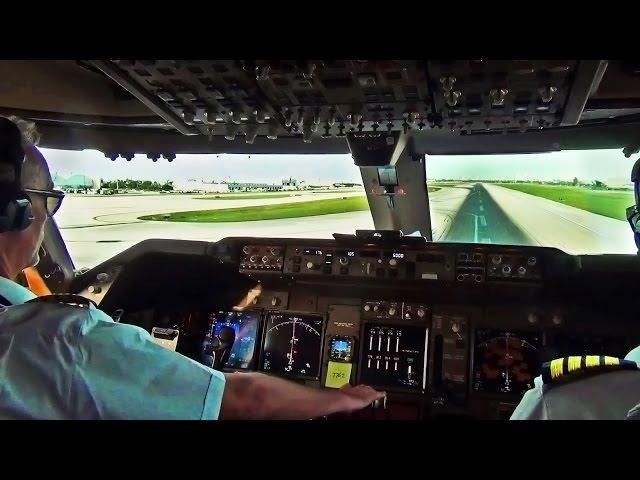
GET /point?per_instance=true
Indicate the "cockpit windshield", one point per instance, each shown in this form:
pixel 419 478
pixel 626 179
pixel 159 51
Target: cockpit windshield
pixel 572 200
pixel 111 206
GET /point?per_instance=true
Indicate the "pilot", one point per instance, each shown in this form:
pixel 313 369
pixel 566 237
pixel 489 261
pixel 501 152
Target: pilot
pixel 77 363
pixel 589 387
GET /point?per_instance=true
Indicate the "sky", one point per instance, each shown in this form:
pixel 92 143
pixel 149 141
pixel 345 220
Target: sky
pixel 609 166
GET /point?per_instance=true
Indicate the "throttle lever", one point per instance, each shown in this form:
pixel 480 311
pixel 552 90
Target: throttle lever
pixel 380 402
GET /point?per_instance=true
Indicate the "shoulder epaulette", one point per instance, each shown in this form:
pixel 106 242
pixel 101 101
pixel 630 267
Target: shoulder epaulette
pixel 570 368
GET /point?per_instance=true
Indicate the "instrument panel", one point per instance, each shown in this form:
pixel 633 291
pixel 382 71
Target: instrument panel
pixel 391 263
pixel 445 328
pixel 292 344
pixel 505 361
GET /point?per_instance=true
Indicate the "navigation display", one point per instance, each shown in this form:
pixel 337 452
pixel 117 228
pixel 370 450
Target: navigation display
pixel 505 361
pixel 292 343
pixel 245 325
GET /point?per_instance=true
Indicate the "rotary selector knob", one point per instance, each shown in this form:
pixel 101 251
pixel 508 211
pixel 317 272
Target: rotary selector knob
pixel 343 261
pixel 393 262
pixel 265 259
pixel 246 249
pixel 392 311
pixel 367 308
pixel 103 277
pixel 496 260
pixel 274 251
pixel 376 308
pixel 421 313
pixel 310 265
pixel 506 269
pixel 94 289
pixel 253 259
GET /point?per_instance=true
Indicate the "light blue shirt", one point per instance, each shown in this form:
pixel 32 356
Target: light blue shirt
pixel 64 362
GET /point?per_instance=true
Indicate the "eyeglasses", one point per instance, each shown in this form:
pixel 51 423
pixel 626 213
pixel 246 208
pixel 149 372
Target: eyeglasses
pixel 52 199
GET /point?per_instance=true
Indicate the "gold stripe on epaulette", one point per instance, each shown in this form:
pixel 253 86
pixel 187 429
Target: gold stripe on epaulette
pixel 592 361
pixel 556 367
pixel 573 363
pixel 611 361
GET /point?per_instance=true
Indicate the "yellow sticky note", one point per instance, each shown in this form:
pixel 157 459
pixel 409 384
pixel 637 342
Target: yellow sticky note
pixel 338 374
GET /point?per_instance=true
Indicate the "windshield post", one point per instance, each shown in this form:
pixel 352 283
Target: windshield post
pixel 395 182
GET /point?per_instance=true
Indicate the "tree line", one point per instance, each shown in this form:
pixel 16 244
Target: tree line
pixel 144 185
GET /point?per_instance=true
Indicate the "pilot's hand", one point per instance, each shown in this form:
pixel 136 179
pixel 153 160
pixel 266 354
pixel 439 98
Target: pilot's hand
pixel 360 396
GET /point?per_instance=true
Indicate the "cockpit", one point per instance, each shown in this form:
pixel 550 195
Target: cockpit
pixel 435 229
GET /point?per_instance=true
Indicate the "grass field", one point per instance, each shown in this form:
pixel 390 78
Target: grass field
pixel 611 204
pixel 267 212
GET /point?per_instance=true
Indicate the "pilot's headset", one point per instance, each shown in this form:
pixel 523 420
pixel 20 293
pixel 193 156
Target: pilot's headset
pixel 15 205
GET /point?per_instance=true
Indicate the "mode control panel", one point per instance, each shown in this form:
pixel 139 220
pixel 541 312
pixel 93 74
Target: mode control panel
pixel 263 258
pixel 513 266
pixel 369 262
pixel 309 261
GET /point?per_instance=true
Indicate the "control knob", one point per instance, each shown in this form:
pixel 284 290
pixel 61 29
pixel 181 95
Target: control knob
pixel 496 260
pixel 246 249
pixel 103 277
pixel 275 301
pixel 455 327
pixel 253 258
pixel 392 311
pixel 343 261
pixel 376 308
pixel 506 269
pixel 367 308
pixel 421 313
pixel 393 262
pixel 94 289
pixel 274 251
pixel 310 265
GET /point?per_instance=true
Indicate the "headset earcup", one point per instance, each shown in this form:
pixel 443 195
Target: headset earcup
pixel 24 212
pixel 17 214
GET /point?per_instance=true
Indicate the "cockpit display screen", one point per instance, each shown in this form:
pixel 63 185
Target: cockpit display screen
pixel 505 362
pixel 292 344
pixel 245 325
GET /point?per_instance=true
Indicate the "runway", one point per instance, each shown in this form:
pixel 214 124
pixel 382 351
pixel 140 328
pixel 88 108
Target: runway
pixel 95 228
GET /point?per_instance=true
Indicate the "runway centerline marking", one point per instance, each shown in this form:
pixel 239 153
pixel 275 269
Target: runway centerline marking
pixel 475 228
